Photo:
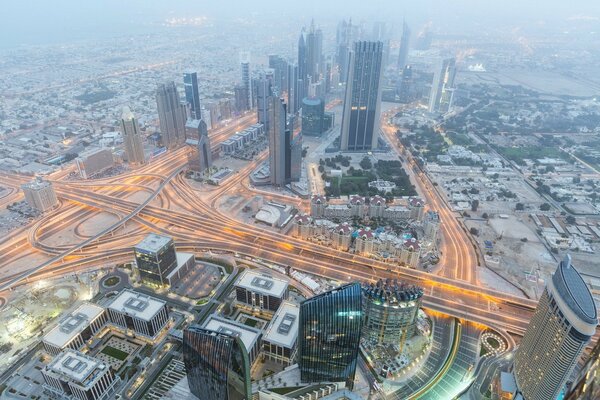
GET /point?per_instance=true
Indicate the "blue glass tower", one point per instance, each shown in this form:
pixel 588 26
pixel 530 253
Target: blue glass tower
pixel 192 96
pixel 329 335
pixel 217 365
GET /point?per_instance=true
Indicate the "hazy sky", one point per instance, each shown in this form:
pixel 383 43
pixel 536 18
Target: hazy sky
pixel 42 21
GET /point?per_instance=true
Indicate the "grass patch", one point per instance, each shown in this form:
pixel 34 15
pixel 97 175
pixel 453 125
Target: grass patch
pixel 285 390
pixel 112 281
pixel 201 302
pixel 115 353
pixel 250 322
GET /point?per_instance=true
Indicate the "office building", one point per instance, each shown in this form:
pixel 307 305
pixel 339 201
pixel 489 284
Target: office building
pixel 345 35
pixel 280 73
pixel 561 327
pixel 74 375
pixel 155 258
pixel 263 102
pixel 406 90
pixel 404 47
pixel 313 117
pixel 93 162
pixel 40 195
pixel 587 384
pixel 280 339
pixel 360 119
pixel 277 141
pixel 247 77
pixel 74 330
pixel 132 138
pixel 171 114
pixel 390 312
pixel 330 328
pixel 201 160
pixel 241 98
pixel 217 364
pixel 261 291
pixel 293 100
pixel 143 315
pixel 302 81
pixel 442 88
pixel 192 94
pixel 314 54
pixel 251 337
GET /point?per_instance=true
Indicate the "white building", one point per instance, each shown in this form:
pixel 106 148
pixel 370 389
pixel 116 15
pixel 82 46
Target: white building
pixel 261 291
pixel 74 375
pixel 74 330
pixel 93 162
pixel 280 339
pixel 40 195
pixel 137 312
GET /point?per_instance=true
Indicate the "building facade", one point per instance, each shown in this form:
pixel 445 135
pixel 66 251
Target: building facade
pixel 313 116
pixel 261 291
pixel 192 94
pixel 94 162
pixel 404 47
pixel 442 89
pixel 132 138
pixel 360 119
pixel 561 327
pixel 587 383
pixel 155 258
pixel 172 115
pixel 329 335
pixel 247 78
pixel 217 365
pixel 141 314
pixel 280 339
pixel 40 195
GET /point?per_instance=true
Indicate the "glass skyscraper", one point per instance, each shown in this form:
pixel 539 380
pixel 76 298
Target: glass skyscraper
pixel 192 95
pixel 155 258
pixel 329 334
pixel 217 365
pixel 360 120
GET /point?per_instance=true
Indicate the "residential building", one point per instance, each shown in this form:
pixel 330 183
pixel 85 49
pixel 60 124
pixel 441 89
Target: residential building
pixel 40 194
pixel 247 78
pixel 277 141
pixel 143 315
pixel 329 335
pixel 132 138
pixel 561 327
pixel 171 114
pixel 360 119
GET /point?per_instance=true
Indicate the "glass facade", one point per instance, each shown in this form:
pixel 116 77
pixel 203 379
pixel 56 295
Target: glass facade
pixel 329 335
pixel 313 113
pixel 192 97
pixel 217 365
pixel 154 266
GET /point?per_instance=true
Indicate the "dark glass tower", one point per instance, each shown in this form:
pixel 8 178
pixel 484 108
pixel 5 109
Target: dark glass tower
pixel 171 114
pixel 217 365
pixel 404 46
pixel 360 120
pixel 155 258
pixel 192 95
pixel 329 334
pixel 313 116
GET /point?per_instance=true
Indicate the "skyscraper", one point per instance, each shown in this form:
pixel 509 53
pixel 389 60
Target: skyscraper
pixel 217 364
pixel 301 81
pixel 404 47
pixel 442 88
pixel 247 77
pixel 202 160
pixel 346 34
pixel 313 116
pixel 155 258
pixel 132 138
pixel 263 101
pixel 172 115
pixel 329 335
pixel 241 98
pixel 192 95
pixel 360 119
pixel 562 325
pixel 587 384
pixel 277 141
pixel 280 73
pixel 314 54
pixel 292 89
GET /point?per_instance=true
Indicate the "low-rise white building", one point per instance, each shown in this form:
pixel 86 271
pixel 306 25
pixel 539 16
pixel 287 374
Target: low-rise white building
pixel 280 339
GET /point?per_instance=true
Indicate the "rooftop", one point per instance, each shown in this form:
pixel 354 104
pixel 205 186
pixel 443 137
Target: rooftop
pixel 262 283
pixel 137 305
pixel 247 335
pixel 76 366
pixel 283 328
pixel 70 326
pixel 153 243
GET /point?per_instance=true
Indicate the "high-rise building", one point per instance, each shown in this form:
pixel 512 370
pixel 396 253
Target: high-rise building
pixel 563 323
pixel 587 384
pixel 313 117
pixel 247 77
pixel 314 54
pixel 93 162
pixel 241 98
pixel 217 364
pixel 329 335
pixel 346 34
pixel 280 73
pixel 390 312
pixel 192 95
pixel 155 258
pixel 406 91
pixel 171 114
pixel 132 138
pixel 40 194
pixel 200 160
pixel 292 89
pixel 442 88
pixel 360 119
pixel 404 47
pixel 260 291
pixel 277 141
pixel 263 102
pixel 74 375
pixel 301 81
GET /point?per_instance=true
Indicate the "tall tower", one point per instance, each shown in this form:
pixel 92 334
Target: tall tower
pixel 263 99
pixel 192 95
pixel 329 335
pixel 132 138
pixel 172 115
pixel 442 89
pixel 277 141
pixel 562 325
pixel 404 47
pixel 360 120
pixel 204 150
pixel 217 364
pixel 246 77
pixel 302 82
pixel 314 54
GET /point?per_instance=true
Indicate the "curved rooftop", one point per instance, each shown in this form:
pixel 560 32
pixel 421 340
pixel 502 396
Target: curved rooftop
pixel 575 292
